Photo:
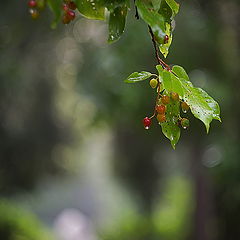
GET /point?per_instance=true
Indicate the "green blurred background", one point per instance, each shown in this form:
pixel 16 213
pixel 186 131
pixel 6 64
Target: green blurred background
pixel 75 161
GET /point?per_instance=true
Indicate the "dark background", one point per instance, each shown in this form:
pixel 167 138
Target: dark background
pixel 74 157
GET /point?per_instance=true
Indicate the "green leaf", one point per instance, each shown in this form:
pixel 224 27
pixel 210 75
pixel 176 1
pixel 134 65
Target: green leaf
pixel 92 9
pixel 112 4
pixel 138 76
pixel 156 4
pixel 159 18
pixel 164 47
pixel 117 23
pixel 173 5
pixel 180 72
pixel 201 104
pixel 166 11
pixel 55 6
pixel 170 128
pixel 152 18
pixel 169 81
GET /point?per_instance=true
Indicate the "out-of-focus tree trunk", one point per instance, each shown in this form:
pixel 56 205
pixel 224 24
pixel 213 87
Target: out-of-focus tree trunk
pixel 203 215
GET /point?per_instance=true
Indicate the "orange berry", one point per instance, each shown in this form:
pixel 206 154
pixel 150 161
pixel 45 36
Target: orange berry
pixel 161 109
pixel 165 99
pixel 184 107
pixel 174 96
pixel 161 118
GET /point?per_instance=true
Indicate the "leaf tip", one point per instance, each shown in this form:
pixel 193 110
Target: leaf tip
pixel 111 40
pixel 173 146
pixel 207 127
pixel 219 119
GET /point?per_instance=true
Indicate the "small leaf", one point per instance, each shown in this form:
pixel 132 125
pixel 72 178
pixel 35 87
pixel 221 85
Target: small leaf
pixel 170 128
pixel 117 23
pixel 152 18
pixel 92 9
pixel 156 4
pixel 159 19
pixel 180 72
pixel 138 76
pixel 112 4
pixel 169 81
pixel 165 11
pixel 173 5
pixel 164 47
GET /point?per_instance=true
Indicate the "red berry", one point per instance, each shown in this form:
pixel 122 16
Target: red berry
pixel 72 5
pixel 161 118
pixel 166 39
pixel 174 96
pixel 65 7
pixel 165 99
pixel 147 122
pixel 32 3
pixel 161 109
pixel 70 14
pixel 66 20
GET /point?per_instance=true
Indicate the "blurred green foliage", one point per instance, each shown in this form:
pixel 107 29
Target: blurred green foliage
pixel 169 219
pixel 19 224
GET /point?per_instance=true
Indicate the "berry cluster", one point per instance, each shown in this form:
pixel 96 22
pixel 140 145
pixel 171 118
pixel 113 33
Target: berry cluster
pixel 69 8
pixel 34 8
pixel 162 103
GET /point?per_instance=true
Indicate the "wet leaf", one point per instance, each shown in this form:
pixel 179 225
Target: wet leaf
pixel 138 76
pixel 201 104
pixel 117 23
pixel 92 9
pixel 170 128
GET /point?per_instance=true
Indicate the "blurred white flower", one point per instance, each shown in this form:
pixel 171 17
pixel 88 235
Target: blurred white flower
pixel 71 224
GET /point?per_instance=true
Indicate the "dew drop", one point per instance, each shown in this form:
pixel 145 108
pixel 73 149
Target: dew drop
pixel 184 127
pixel 146 127
pixel 185 111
